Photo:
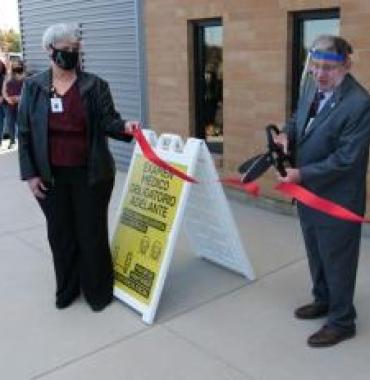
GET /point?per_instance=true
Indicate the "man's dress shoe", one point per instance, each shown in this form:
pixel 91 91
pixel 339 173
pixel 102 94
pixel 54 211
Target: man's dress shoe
pixel 329 336
pixel 311 311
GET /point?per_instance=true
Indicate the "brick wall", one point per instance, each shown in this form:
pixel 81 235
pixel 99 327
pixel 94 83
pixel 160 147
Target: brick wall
pixel 255 68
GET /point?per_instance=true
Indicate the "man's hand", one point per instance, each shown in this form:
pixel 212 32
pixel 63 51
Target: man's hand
pixel 131 125
pixel 282 140
pixel 292 176
pixel 37 187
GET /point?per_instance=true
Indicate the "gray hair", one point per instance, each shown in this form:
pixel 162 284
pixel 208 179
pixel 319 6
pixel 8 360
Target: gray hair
pixel 60 32
pixel 335 44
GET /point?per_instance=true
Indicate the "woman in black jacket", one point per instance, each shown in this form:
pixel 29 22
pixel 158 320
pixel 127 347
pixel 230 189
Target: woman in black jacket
pixel 65 116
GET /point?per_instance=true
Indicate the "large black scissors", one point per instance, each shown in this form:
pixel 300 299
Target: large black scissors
pixel 275 156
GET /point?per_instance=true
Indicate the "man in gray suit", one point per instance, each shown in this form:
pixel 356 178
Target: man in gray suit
pixel 329 139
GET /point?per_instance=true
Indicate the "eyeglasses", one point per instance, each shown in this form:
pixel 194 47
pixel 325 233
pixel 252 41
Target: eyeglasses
pixel 326 67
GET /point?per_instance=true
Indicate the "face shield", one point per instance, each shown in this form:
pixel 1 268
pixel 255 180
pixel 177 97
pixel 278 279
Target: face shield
pixel 313 59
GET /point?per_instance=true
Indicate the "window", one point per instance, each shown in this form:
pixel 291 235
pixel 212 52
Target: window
pixel 208 82
pixel 306 27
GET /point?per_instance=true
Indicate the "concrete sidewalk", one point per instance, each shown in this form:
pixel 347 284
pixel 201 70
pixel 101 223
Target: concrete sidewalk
pixel 209 325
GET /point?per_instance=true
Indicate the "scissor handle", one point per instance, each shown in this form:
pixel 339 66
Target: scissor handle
pixel 272 146
pixel 276 150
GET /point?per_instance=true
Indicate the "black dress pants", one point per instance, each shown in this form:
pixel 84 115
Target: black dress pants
pixel 77 226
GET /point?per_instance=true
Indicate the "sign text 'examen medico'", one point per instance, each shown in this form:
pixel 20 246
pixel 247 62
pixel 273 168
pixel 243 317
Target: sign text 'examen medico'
pixel 152 192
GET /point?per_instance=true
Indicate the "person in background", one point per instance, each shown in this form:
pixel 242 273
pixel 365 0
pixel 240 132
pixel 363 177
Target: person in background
pixel 2 100
pixel 65 116
pixel 11 92
pixel 329 140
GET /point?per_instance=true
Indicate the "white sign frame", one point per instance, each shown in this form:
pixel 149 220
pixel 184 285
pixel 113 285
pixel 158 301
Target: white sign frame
pixel 194 154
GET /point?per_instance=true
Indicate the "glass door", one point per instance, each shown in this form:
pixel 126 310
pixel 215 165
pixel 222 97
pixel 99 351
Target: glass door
pixel 307 26
pixel 209 83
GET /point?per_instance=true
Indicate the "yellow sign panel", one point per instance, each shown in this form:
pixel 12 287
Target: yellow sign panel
pixel 146 219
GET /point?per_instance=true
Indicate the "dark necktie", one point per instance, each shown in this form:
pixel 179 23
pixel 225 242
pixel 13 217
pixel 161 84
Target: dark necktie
pixel 315 104
pixel 319 96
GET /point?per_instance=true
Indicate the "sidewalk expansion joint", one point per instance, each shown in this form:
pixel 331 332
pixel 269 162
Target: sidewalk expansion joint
pixel 90 354
pixel 209 353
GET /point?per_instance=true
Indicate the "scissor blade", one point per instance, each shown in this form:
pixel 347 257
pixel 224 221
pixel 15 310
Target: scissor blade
pixel 255 167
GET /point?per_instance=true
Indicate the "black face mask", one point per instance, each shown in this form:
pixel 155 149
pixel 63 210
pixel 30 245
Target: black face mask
pixel 66 60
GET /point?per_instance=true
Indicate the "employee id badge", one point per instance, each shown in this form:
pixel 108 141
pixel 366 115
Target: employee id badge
pixel 56 105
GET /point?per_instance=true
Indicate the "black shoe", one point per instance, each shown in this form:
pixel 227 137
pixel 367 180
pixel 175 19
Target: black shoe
pixel 311 311
pixel 64 303
pixel 329 336
pixel 101 305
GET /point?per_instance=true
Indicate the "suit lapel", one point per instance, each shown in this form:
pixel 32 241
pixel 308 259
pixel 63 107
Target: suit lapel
pixel 329 107
pixel 303 112
pixel 321 116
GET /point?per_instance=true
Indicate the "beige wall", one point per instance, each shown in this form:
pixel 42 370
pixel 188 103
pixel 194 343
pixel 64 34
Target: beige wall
pixel 256 79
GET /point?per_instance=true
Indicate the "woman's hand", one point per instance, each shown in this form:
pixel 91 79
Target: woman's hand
pixel 37 187
pixel 131 125
pixel 11 100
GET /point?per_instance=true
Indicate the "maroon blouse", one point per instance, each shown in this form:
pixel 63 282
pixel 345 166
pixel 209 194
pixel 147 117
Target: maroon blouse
pixel 67 131
pixel 14 88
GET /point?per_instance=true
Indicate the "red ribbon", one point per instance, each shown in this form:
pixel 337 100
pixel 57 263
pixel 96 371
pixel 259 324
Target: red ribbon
pixel 289 189
pixel 251 187
pixel 321 204
pixel 151 156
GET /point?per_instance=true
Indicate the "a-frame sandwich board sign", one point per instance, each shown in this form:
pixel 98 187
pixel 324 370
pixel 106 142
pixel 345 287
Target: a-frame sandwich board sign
pixel 209 223
pixel 155 205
